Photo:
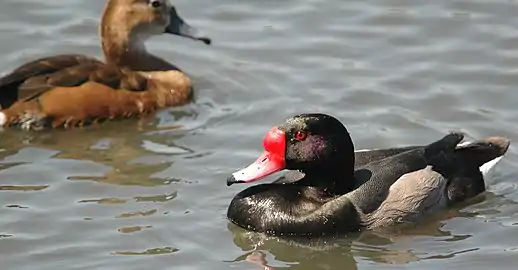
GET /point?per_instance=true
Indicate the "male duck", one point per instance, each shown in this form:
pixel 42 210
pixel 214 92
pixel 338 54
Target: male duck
pixel 69 90
pixel 335 196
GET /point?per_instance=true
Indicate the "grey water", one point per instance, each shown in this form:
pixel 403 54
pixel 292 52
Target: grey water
pixel 151 193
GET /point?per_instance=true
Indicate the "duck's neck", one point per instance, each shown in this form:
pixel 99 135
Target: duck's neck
pixel 333 180
pixel 124 48
pixel 335 174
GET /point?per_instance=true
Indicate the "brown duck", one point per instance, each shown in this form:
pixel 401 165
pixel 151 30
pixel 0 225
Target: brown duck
pixel 74 90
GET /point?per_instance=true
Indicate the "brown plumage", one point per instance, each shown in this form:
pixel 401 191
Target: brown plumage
pixel 72 90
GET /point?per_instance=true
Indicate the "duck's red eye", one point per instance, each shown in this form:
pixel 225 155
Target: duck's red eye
pixel 300 135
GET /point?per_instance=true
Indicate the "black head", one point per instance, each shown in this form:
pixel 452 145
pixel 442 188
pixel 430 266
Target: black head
pixel 316 144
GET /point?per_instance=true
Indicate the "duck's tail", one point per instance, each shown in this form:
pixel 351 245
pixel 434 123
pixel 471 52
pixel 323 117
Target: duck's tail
pixel 485 153
pixel 469 166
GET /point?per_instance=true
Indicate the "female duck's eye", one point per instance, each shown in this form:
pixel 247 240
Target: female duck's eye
pixel 300 135
pixel 155 3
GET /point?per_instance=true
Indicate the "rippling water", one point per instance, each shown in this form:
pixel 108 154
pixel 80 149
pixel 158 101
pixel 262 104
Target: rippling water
pixel 151 193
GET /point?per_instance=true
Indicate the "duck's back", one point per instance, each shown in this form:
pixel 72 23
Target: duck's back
pixel 375 179
pixel 10 84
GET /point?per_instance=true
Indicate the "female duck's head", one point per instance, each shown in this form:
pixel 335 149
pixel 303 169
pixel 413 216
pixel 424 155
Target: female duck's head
pixel 126 24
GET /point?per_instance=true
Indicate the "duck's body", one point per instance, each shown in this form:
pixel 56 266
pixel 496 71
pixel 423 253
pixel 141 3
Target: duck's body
pixel 335 196
pixel 71 89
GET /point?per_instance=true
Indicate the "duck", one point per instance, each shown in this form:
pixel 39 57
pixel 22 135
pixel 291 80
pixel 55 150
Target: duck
pixel 336 196
pixel 70 90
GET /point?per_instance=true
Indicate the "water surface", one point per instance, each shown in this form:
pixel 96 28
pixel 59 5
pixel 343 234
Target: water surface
pixel 151 193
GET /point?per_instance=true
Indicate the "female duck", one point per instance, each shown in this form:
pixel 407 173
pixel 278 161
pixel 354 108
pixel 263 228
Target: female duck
pixel 334 196
pixel 69 90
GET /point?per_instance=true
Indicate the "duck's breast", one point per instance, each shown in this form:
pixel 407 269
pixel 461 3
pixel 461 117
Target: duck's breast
pixel 169 88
